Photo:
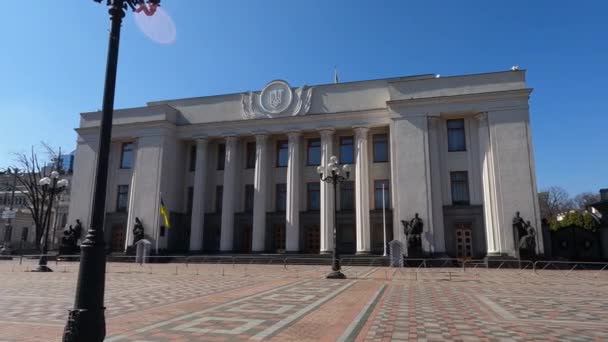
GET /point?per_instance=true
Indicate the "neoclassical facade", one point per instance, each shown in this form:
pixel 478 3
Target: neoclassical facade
pixel 237 172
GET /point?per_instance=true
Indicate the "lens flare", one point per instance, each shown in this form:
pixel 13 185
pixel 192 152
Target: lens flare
pixel 158 27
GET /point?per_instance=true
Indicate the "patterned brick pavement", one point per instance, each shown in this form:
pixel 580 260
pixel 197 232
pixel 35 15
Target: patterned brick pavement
pixel 164 303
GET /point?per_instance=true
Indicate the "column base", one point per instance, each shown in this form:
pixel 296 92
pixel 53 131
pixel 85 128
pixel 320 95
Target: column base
pixel 336 275
pixel 325 252
pixel 42 268
pixel 363 253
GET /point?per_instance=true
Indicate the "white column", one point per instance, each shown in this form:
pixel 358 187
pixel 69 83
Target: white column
pixel 362 191
pixel 436 243
pixel 327 195
pixel 198 198
pixel 292 213
pixel 228 200
pixel 488 182
pixel 259 198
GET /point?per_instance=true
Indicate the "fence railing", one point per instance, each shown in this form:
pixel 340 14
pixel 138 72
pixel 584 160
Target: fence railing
pixel 372 267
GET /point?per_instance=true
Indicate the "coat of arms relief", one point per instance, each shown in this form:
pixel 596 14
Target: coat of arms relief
pixel 275 100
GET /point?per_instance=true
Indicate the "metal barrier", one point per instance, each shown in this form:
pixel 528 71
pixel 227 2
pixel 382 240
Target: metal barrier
pixel 316 267
pixel 565 268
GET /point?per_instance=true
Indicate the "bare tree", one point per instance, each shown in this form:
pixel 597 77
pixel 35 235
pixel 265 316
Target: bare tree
pixel 553 201
pixel 584 199
pixel 30 171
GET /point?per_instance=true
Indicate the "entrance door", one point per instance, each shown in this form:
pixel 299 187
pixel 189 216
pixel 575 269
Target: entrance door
pixel 279 237
pixel 313 239
pixel 464 241
pixel 347 238
pixel 245 246
pixel 118 237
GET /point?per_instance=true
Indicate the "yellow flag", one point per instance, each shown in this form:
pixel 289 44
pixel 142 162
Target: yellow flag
pixel 163 213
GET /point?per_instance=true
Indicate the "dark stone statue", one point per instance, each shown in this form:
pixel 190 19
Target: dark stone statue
pixel 138 230
pixel 527 243
pixel 525 237
pixel 519 226
pixel 78 229
pixel 413 231
pixel 69 241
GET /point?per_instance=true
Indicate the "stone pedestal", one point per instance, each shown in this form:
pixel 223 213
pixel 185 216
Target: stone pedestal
pixel 396 253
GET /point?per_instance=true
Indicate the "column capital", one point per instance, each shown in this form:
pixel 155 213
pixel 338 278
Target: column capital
pixel 230 139
pixel 293 136
pixel 361 132
pixel 261 137
pixel 201 140
pixel 326 132
pixel 482 117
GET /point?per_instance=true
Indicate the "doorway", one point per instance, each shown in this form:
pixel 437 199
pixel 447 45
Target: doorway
pixel 279 237
pixel 245 239
pixel 313 239
pixel 118 237
pixel 464 241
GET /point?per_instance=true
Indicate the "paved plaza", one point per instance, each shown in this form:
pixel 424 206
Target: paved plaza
pixel 223 302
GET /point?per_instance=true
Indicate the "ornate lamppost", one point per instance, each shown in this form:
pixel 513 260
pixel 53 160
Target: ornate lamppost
pixel 334 173
pixel 51 187
pixel 86 322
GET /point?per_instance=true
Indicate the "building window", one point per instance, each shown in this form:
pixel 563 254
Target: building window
pixel 313 156
pixel 281 198
pixel 122 198
pixel 460 187
pixel 250 155
pixel 313 195
pixel 347 196
pixel 219 195
pixel 456 138
pixel 192 158
pixel 221 156
pixel 190 202
pixel 347 155
pixel 249 195
pixel 126 156
pixel 282 153
pixel 378 194
pixel 380 148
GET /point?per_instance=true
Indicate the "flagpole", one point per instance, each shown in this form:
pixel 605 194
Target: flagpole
pixel 157 234
pixel 384 219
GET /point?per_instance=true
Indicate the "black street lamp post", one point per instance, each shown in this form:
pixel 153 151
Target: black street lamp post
pixel 334 177
pixel 86 321
pixel 52 186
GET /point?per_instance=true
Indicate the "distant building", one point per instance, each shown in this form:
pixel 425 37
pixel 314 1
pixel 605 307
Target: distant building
pixel 237 172
pixel 22 235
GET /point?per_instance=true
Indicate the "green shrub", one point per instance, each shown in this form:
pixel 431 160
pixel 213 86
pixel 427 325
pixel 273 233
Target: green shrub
pixel 577 219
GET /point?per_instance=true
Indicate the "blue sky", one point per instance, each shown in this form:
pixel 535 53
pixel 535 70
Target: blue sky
pixel 53 60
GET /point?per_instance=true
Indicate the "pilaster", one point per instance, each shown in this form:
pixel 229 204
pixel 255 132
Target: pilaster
pixel 489 186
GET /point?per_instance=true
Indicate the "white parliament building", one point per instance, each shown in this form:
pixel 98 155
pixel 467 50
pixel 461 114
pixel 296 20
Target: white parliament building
pixel 238 172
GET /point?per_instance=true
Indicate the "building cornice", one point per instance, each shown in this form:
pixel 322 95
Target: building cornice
pixel 304 123
pixel 466 98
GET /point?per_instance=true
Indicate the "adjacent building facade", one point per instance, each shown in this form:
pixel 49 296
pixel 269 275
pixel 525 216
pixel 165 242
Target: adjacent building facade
pixel 237 172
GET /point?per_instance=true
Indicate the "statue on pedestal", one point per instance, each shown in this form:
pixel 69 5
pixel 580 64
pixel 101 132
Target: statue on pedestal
pixel 525 237
pixel 78 229
pixel 527 243
pixel 69 241
pixel 138 230
pixel 413 231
